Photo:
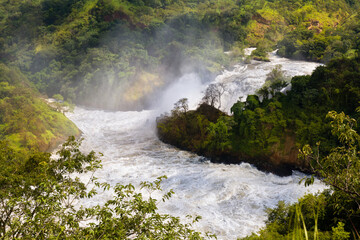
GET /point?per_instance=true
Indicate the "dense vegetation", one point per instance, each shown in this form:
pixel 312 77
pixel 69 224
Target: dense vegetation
pixel 117 54
pixel 271 120
pixel 333 214
pixel 38 196
pixel 319 40
pixel 269 128
pixel 125 50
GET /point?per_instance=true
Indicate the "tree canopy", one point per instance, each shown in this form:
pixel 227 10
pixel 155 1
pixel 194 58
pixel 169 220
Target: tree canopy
pixel 40 198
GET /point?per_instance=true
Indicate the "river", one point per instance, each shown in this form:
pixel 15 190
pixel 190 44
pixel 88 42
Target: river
pixel 230 198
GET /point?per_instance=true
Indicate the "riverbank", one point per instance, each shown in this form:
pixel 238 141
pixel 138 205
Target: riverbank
pixel 268 128
pixel 207 131
pixel 236 194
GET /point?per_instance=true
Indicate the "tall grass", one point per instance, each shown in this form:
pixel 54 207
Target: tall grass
pixel 300 231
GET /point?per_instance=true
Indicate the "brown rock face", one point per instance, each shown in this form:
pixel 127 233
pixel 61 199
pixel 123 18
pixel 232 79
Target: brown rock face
pixel 287 154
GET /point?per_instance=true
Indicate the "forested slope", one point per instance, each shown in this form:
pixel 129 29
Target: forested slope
pixel 116 54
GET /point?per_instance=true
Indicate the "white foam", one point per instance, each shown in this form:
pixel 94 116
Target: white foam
pixel 231 198
pixel 245 79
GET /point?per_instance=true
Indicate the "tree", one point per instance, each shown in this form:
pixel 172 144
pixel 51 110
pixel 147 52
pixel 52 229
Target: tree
pixel 237 109
pixel 58 98
pixel 340 168
pixel 275 81
pixel 38 195
pixel 260 53
pixel 277 86
pixel 181 106
pixel 219 134
pixel 252 102
pixel 263 93
pixel 213 94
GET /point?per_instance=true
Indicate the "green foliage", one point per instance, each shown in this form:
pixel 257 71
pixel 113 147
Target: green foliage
pixel 219 134
pixel 334 212
pixel 322 39
pixel 89 49
pixel 206 130
pixel 180 107
pixel 340 167
pixel 38 196
pixel 339 233
pixel 58 97
pixel 237 110
pixel 55 11
pixel 276 74
pixel 301 220
pixel 258 129
pixel 274 83
pixel 26 121
pixel 260 53
pixel 269 129
pixel 310 218
pixel 270 125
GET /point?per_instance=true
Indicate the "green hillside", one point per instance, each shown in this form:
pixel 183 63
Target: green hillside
pixel 126 50
pixel 26 120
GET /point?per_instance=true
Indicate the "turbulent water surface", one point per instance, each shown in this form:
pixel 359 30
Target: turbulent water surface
pixel 230 198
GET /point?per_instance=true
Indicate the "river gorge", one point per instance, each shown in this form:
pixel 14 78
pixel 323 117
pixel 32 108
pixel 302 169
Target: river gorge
pixel 231 199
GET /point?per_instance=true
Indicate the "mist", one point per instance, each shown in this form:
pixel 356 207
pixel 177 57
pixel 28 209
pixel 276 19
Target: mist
pixel 116 63
pixel 188 86
pixel 134 69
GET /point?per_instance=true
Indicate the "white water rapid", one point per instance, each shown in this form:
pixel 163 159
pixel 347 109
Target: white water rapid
pixel 230 198
pixel 245 79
